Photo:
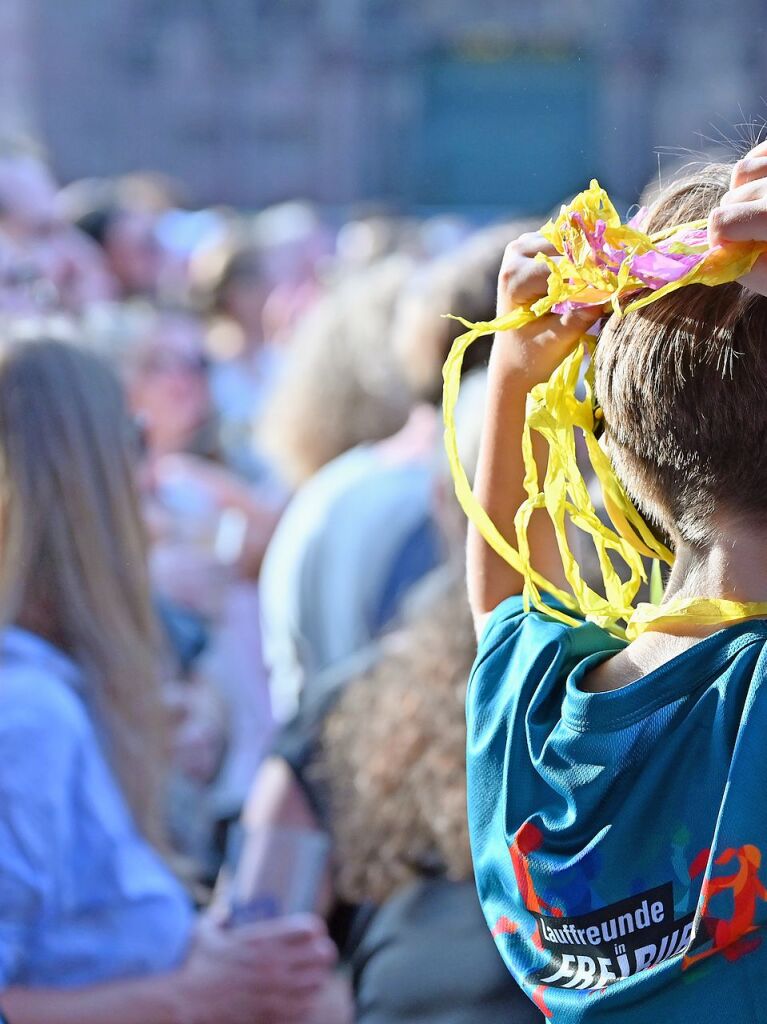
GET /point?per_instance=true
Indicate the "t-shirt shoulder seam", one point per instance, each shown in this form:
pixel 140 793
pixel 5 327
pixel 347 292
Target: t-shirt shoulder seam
pixel 496 625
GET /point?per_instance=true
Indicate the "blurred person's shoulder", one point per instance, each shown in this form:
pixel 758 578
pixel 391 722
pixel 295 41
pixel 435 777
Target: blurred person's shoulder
pixel 315 498
pixel 305 518
pixel 341 472
pixel 40 687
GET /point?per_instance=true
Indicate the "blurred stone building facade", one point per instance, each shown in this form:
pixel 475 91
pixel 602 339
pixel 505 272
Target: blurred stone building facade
pixel 417 103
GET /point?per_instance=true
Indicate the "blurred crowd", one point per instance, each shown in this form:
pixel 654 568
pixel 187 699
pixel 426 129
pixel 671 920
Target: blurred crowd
pixel 280 377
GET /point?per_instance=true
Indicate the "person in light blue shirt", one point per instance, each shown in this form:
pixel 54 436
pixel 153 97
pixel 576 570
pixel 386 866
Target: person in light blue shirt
pixel 326 590
pixel 62 817
pixel 94 926
pixel 616 791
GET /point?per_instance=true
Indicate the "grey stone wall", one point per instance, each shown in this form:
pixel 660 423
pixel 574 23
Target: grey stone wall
pixel 253 101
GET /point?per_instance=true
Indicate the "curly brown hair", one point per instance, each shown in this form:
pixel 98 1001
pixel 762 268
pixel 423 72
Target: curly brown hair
pixel 393 754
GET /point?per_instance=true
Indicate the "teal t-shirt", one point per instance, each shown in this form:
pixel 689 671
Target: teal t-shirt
pixel 618 837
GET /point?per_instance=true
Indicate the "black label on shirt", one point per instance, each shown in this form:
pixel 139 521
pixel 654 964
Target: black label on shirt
pixel 592 950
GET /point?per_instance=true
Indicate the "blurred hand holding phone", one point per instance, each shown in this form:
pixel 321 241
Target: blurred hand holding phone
pixel 271 872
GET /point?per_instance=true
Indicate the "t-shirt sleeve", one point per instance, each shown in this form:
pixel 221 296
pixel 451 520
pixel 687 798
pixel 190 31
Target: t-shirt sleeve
pixel 39 739
pixel 519 673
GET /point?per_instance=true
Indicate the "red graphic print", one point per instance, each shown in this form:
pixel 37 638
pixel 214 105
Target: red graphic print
pixel 729 934
pixel 528 839
pixel 504 926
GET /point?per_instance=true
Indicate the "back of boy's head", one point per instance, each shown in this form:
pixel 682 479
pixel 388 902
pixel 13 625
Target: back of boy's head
pixel 683 386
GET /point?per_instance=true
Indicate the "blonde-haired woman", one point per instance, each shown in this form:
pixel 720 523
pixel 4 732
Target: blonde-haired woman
pixel 93 926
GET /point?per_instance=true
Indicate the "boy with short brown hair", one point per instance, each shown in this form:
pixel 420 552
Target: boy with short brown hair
pixel 616 793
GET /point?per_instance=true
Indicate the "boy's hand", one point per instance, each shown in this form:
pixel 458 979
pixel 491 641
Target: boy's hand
pixel 538 348
pixel 742 214
pixel 519 360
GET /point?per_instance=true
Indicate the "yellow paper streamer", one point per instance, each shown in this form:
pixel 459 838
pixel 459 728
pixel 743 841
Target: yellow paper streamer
pixel 555 412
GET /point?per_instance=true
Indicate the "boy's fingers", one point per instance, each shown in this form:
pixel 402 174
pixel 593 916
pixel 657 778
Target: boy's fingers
pixel 739 222
pixel 760 149
pixel 560 333
pixel 581 320
pixel 756 280
pixel 747 164
pixel 747 192
pixel 751 168
pixel 523 278
pixel 531 243
pixel 524 281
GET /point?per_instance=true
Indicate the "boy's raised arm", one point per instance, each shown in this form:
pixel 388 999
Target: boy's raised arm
pixel 519 360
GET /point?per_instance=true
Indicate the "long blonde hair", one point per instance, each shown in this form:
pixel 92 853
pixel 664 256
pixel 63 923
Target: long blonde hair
pixel 72 546
pixel 342 385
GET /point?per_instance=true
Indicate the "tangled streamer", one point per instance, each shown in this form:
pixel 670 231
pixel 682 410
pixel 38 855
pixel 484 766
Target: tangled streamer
pixel 601 263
